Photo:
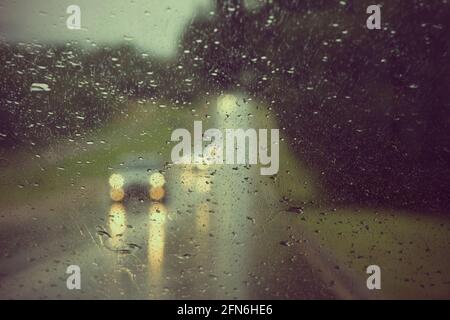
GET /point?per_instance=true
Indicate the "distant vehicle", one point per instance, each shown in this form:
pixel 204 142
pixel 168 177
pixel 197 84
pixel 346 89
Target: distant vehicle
pixel 140 177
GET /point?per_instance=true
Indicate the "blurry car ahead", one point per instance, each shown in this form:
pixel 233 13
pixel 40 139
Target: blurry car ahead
pixel 142 178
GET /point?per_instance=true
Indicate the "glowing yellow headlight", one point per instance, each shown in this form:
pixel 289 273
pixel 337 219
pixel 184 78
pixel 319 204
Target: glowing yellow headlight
pixel 117 194
pixel 157 193
pixel 157 180
pixel 116 181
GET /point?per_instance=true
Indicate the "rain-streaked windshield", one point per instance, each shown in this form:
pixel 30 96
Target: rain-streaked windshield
pixel 224 149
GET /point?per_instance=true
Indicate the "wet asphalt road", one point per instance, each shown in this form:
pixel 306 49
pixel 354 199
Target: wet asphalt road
pixel 223 234
pixel 211 240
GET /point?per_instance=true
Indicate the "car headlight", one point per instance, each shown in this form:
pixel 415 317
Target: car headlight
pixel 117 194
pixel 157 193
pixel 157 180
pixel 116 181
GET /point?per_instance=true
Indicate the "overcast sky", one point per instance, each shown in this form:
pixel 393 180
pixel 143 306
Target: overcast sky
pixel 154 25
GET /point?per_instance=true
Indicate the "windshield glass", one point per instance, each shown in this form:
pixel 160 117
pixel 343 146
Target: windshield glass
pixel 280 149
